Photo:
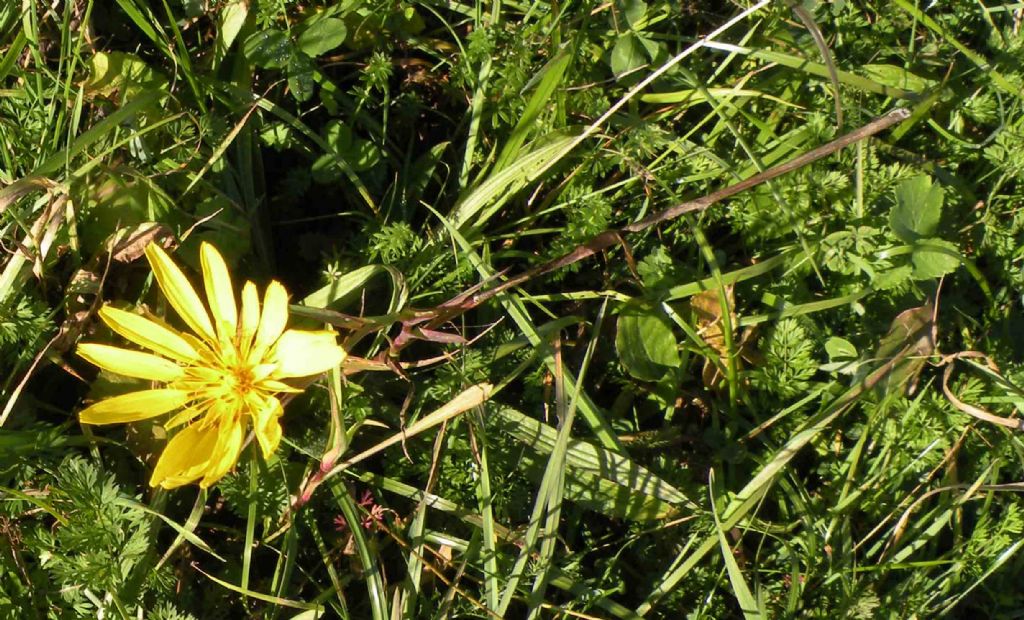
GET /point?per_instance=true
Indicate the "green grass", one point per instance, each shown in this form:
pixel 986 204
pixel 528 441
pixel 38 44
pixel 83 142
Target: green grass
pixel 793 395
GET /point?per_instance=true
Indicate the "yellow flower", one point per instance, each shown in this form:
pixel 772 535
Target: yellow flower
pixel 223 378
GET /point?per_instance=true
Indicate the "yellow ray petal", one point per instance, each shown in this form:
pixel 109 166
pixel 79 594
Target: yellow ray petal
pixel 263 409
pixel 130 363
pixel 269 437
pixel 266 426
pixel 250 318
pixel 179 292
pixel 272 321
pixel 186 456
pixel 272 385
pixel 183 416
pixel 133 406
pixel 219 293
pixel 301 353
pixel 149 334
pixel 225 455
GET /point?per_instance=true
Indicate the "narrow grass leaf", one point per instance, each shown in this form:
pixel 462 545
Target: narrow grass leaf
pixel 267 598
pixel 748 604
pixel 367 557
pixel 183 531
pixel 487 198
pixel 353 283
pixel 551 76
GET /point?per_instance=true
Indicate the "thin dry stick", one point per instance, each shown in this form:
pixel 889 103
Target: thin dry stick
pixel 610 237
pixel 1016 424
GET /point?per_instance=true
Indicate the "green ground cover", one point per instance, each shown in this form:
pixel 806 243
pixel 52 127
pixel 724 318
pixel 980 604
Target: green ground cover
pixel 796 398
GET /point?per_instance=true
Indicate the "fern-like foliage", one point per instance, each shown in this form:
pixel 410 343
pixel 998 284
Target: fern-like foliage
pixel 789 360
pixel 96 555
pixel 21 325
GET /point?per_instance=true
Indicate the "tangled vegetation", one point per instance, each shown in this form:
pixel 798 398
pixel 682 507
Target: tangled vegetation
pixel 794 393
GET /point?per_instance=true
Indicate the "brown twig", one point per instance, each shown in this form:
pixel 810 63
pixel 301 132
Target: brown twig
pixel 431 319
pixel 422 324
pixel 610 237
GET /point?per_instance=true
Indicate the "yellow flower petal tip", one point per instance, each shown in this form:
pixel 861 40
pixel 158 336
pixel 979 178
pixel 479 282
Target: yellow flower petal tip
pixel 219 293
pixel 179 292
pixel 222 381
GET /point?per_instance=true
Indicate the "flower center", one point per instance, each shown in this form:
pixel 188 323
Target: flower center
pixel 242 379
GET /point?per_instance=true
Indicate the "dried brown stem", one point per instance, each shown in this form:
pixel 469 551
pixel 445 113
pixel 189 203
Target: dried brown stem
pixel 610 237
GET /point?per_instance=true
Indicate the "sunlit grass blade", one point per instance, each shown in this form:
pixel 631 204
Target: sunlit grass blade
pixel 752 609
pixel 485 499
pixel 268 598
pixel 367 557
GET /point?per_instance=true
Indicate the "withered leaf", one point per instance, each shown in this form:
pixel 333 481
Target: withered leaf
pixel 707 316
pixel 909 343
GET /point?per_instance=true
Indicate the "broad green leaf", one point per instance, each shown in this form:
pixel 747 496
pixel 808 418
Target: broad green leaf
pixel 635 11
pixel 326 169
pixel 933 258
pixel 839 349
pixel 842 356
pixel 645 343
pixel 365 155
pixel 629 54
pixel 322 36
pixel 300 76
pixel 892 278
pixel 115 200
pixel 338 135
pixel 412 22
pixel 897 77
pixel 229 23
pixel 350 285
pixel 278 136
pixel 229 230
pixel 918 209
pixel 111 73
pixel 269 49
